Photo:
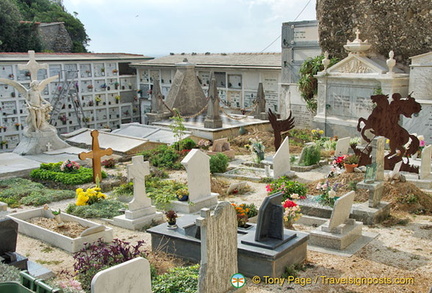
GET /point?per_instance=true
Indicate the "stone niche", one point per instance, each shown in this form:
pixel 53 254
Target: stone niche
pixel 344 90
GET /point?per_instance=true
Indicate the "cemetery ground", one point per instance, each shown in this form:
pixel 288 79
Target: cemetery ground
pixel 401 253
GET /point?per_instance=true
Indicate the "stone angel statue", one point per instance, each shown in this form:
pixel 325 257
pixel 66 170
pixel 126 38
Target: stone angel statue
pixel 38 107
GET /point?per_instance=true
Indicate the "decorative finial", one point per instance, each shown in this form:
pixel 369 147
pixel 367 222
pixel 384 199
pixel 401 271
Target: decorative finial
pixel 357 46
pixel 391 62
pixel 357 33
pixel 326 61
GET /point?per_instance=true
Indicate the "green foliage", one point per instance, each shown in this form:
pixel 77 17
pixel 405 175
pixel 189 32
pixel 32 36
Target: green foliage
pixel 101 209
pixel 177 125
pixel 312 155
pixel 16 191
pixel 18 37
pixel 124 189
pixel 299 137
pixel 9 273
pixel 293 270
pixel 251 209
pixel 180 279
pixel 163 192
pixel 407 198
pixel 52 172
pixel 218 163
pixel 163 156
pixel 308 84
pixel 185 144
pixel 290 189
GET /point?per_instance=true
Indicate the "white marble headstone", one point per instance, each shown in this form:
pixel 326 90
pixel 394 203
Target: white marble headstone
pixel 132 276
pixel 281 160
pixel 342 146
pixel 341 210
pixel 197 166
pixel 425 167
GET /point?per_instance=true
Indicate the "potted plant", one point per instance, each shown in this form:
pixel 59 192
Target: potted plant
pixel 350 162
pixel 182 194
pixel 171 217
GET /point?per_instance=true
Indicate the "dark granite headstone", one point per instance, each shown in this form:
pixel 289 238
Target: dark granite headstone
pixel 8 241
pixel 270 218
pixel 270 231
pixel 8 235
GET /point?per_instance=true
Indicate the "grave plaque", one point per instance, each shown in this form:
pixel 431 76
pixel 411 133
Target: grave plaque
pixel 370 174
pixel 8 235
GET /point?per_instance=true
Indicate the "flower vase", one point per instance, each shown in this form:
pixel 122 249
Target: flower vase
pixel 183 198
pixel 172 225
pixel 349 168
pixel 289 225
pixel 59 220
pixel 259 157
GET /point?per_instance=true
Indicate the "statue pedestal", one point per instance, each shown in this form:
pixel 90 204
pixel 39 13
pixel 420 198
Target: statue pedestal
pixel 36 143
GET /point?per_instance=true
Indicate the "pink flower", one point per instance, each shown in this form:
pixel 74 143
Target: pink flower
pixel 268 188
pixel 422 143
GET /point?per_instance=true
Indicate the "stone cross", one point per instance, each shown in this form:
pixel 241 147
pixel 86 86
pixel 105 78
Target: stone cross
pixel 137 172
pixel 96 154
pixel 378 156
pixel 425 167
pixel 218 254
pixel 32 66
pixel 49 146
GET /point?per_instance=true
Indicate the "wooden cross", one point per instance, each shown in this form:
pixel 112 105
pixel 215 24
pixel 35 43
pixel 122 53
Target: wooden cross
pixel 96 154
pixel 32 66
pixel 137 172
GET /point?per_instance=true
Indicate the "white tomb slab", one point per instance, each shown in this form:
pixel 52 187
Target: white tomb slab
pixel 425 167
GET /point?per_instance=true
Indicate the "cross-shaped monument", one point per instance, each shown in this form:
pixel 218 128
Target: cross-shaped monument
pixel 96 154
pixel 137 172
pixel 32 66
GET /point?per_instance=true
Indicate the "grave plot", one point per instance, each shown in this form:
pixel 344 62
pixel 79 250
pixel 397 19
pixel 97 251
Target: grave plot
pixel 92 232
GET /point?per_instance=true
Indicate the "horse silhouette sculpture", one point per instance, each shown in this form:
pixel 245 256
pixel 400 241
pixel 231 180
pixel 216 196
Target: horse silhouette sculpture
pixel 384 121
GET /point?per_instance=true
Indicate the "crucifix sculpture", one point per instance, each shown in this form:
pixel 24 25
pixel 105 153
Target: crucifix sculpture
pixel 96 154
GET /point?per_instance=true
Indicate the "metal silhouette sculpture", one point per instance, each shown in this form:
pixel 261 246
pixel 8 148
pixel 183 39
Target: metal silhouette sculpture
pixel 384 121
pixel 279 127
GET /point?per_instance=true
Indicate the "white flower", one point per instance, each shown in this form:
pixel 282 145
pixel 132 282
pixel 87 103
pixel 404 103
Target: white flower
pixel 332 193
pixel 295 196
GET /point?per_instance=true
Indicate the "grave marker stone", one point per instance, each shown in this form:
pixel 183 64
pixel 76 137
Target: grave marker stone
pixel 378 156
pixel 137 172
pixel 281 160
pixel 132 276
pixel 213 119
pixel 222 145
pixel 95 154
pixel 270 231
pixel 425 167
pixel 8 243
pixel 342 146
pixel 140 213
pixel 218 254
pixel 340 231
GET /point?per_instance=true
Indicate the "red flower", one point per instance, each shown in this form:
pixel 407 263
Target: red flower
pixel 289 204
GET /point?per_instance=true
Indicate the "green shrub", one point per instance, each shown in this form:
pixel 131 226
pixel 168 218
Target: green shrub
pixel 16 191
pixel 9 273
pixel 101 209
pixel 184 144
pixel 181 279
pixel 163 156
pixel 52 172
pixel 312 155
pixel 290 189
pixel 218 163
pixel 163 192
pixel 124 189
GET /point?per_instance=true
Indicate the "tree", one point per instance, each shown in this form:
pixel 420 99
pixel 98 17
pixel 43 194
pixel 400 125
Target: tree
pixel 9 22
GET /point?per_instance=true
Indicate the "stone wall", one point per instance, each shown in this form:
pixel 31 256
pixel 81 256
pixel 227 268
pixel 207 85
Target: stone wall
pixel 400 25
pixel 55 37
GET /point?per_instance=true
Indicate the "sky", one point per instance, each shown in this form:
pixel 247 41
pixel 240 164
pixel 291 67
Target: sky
pixel 158 27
